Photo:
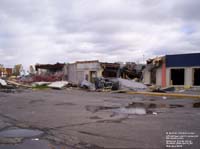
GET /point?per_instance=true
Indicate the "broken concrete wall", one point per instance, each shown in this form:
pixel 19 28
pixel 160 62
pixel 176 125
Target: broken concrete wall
pixel 87 70
pixel 83 70
pixel 159 76
pixel 65 72
pixel 152 74
pixel 72 73
pixel 80 77
pixel 88 65
pixel 146 76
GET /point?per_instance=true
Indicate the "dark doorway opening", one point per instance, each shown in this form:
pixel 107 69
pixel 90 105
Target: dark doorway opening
pixel 196 76
pixel 177 76
pixel 153 76
pixel 109 73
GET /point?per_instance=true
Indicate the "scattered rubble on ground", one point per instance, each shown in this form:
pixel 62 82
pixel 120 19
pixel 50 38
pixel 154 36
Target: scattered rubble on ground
pixel 35 84
pixel 56 80
pixel 58 84
pixel 87 85
pixel 6 87
pixel 18 84
pixel 125 84
pixel 118 84
pixel 171 88
pixel 3 82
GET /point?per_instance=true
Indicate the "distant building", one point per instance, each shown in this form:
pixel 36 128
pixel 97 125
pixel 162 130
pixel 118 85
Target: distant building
pixel 176 70
pixel 5 72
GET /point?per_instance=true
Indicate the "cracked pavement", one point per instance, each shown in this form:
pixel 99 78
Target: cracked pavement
pixel 64 117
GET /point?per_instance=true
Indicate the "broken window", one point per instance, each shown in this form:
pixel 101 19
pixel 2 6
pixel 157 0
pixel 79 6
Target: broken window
pixel 196 76
pixel 177 76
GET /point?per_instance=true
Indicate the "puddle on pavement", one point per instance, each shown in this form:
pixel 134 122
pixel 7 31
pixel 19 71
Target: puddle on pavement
pixel 196 105
pixel 94 109
pixel 95 117
pixel 36 101
pixel 132 108
pixel 175 106
pixel 152 100
pixel 8 90
pixel 20 133
pixel 137 108
pixel 65 104
pixel 32 144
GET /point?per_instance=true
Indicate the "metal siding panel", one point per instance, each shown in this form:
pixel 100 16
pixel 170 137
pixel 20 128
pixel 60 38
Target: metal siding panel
pixel 183 60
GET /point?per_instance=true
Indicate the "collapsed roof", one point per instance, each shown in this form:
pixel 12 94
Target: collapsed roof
pixel 57 66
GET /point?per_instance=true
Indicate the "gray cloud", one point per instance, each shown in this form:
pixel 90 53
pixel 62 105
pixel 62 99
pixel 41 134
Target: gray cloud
pixel 116 30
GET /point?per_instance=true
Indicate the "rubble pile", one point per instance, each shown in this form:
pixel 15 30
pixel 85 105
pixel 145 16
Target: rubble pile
pixel 41 78
pixel 87 85
pixel 2 83
pixel 132 71
pixel 125 84
pixel 101 84
pixel 58 84
pixel 7 86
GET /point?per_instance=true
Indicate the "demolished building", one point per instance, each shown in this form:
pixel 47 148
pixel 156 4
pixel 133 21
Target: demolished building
pixel 110 70
pixel 83 70
pixel 132 70
pixel 49 68
pixel 89 71
pixel 51 72
pixel 176 70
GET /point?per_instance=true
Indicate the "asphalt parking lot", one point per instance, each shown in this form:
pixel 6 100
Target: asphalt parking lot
pixel 73 118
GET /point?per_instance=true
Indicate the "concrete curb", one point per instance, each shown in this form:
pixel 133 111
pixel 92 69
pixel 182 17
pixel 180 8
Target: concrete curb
pixel 166 94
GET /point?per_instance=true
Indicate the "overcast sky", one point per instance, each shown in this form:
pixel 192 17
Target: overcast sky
pixel 49 31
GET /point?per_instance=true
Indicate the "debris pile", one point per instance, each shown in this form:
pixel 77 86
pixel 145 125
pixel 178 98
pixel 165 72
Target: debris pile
pixel 41 78
pixel 132 70
pixel 125 84
pixel 101 84
pixel 58 84
pixel 87 85
pixel 2 83
pixel 6 86
pixel 48 77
